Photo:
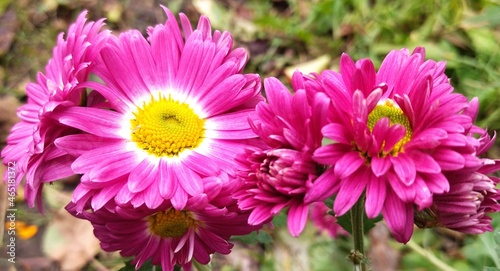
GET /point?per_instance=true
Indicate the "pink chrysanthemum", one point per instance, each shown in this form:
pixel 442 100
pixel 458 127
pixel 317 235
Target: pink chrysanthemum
pixel 473 195
pixel 325 221
pixel 277 177
pixel 395 133
pixel 30 143
pixel 177 113
pixel 168 236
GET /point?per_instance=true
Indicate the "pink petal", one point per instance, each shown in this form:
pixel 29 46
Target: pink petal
pixel 437 183
pixel 448 159
pixel 389 69
pixel 395 133
pixel 348 164
pixel 405 193
pixel 429 138
pixel 200 164
pixel 124 78
pixel 260 214
pixel 179 199
pixel 323 187
pixel 297 217
pixel 330 154
pixel 168 181
pixel 375 196
pixel 142 176
pixel 99 122
pixel 399 217
pixel 167 64
pixel 380 165
pixel 423 196
pixel 78 144
pixel 338 133
pixel 104 196
pixel 114 167
pixel 404 167
pixel 351 189
pixel 152 197
pixel 424 162
pixel 347 70
pixel 363 78
pixel 214 102
pixel 189 180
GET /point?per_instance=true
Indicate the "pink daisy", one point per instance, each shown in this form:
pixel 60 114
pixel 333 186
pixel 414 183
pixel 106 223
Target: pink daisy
pixel 394 134
pixel 473 195
pixel 30 143
pixel 277 176
pixel 178 108
pixel 324 221
pixel 168 236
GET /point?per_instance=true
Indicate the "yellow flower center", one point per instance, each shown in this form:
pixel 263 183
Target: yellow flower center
pixel 389 109
pixel 165 127
pixel 170 223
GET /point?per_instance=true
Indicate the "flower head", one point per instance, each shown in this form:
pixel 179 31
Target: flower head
pixel 168 236
pixel 277 176
pixel 395 133
pixel 30 143
pixel 472 196
pixel 178 105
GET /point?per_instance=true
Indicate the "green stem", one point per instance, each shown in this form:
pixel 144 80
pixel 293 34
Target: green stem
pixel 357 255
pixel 431 257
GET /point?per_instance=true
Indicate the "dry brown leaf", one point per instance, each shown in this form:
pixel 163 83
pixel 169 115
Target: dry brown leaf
pixel 70 241
pixel 315 65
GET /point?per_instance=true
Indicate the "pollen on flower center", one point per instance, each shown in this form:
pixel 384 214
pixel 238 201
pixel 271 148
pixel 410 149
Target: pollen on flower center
pixel 171 223
pixel 165 127
pixel 391 110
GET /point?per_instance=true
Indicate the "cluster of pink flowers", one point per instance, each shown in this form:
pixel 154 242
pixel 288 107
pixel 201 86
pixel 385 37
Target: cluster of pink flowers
pixel 154 135
pixel 178 150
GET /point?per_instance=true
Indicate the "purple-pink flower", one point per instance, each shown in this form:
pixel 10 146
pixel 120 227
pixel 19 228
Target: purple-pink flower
pixel 168 236
pixel 472 196
pixel 31 141
pixel 277 176
pixel 394 135
pixel 177 108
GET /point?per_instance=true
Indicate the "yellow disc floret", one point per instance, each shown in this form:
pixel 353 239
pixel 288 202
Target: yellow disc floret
pixel 165 127
pixel 171 223
pixel 390 110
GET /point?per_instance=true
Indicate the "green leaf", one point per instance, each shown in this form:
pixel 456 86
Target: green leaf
pixel 489 16
pixel 329 202
pixel 280 219
pixel 261 237
pixel 368 224
pixel 496 236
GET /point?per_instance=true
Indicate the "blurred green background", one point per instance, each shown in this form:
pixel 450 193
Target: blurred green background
pixel 280 36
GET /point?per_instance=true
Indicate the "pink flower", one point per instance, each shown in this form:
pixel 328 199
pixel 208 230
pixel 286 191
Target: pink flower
pixel 472 196
pixel 177 113
pixel 324 221
pixel 395 133
pixel 30 143
pixel 168 236
pixel 277 176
